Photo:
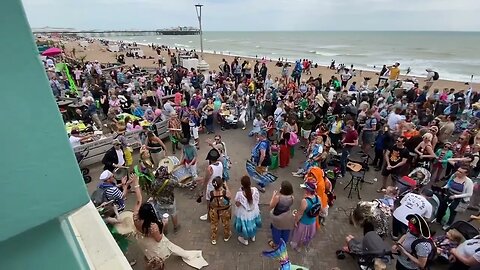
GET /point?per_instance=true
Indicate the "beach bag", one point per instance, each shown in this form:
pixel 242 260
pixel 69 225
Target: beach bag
pixel 315 209
pixel 293 139
pixel 435 76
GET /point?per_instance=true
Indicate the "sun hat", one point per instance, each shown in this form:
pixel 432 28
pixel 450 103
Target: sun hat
pixel 106 174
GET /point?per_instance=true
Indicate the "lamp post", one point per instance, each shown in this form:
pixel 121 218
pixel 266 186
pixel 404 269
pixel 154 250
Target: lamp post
pixel 202 64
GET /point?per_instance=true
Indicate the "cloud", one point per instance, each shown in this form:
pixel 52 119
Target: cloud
pixel 254 15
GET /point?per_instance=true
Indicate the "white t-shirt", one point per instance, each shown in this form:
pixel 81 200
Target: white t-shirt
pixel 78 74
pixel 413 204
pixel 121 160
pixel 278 114
pixel 217 171
pixel 74 141
pixel 470 248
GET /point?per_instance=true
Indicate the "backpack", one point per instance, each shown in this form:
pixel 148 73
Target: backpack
pixel 431 255
pixel 315 209
pixel 435 76
pixel 99 196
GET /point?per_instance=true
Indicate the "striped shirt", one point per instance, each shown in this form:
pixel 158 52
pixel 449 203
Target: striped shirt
pixel 113 193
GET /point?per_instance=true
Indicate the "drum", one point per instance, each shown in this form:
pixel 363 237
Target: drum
pixel 170 162
pixel 181 174
pixel 119 173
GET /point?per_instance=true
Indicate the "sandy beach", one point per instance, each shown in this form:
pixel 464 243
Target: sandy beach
pixel 96 51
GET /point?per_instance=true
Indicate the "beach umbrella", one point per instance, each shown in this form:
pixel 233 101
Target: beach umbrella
pixel 52 52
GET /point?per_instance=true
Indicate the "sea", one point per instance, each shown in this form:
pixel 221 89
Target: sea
pixel 454 55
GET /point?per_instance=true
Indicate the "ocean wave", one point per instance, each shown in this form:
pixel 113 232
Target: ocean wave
pixel 181 45
pixel 333 46
pixel 332 54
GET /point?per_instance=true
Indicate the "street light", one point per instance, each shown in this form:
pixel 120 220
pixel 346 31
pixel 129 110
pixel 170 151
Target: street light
pixel 202 65
pixel 198 9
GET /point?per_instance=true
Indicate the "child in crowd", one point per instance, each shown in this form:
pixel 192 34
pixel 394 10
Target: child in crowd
pixel 274 151
pixel 451 239
pixel 284 153
pixel 388 199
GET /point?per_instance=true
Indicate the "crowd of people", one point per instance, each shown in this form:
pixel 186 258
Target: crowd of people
pixel 398 126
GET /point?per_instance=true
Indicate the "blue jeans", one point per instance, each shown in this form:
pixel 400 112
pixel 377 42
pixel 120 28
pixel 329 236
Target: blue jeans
pixel 344 159
pixel 277 235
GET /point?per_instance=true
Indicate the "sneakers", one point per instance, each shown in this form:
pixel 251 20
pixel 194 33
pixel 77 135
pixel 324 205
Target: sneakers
pixel 204 217
pixel 253 239
pixel 242 240
pixel 298 175
pixel 214 242
pixel 226 239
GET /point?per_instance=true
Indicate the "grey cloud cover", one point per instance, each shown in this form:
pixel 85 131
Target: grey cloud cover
pixel 252 15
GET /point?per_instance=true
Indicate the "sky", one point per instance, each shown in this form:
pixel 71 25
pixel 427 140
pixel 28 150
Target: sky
pixel 257 15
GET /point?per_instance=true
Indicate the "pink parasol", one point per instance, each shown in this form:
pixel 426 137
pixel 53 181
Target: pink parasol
pixel 52 52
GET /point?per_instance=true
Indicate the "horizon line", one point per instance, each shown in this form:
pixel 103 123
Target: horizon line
pixel 319 30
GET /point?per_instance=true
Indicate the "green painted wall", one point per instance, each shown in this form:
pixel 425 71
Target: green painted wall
pixel 40 180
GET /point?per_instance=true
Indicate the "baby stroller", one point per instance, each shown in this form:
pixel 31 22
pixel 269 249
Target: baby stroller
pixel 412 182
pixel 466 229
pixel 367 251
pixel 80 156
